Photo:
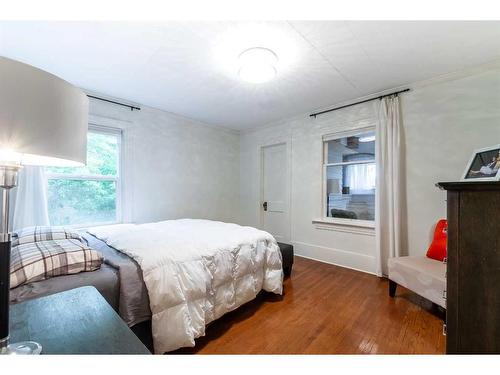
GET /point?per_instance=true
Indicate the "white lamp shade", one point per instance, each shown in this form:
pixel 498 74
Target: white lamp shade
pixel 43 119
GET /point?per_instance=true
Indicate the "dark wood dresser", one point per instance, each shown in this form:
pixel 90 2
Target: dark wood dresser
pixel 473 269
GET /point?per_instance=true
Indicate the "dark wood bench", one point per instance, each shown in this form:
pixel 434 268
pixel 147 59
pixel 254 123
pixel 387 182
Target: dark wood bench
pixel 287 255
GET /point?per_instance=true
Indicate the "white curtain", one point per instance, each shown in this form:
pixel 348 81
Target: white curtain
pixel 361 178
pixel 30 204
pixel 389 201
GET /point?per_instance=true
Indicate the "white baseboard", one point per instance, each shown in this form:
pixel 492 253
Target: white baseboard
pixel 337 257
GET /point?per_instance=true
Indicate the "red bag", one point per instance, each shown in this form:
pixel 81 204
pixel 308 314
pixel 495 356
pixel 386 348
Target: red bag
pixel 437 249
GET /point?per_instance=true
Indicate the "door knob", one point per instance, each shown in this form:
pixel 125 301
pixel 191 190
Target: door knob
pixel 265 206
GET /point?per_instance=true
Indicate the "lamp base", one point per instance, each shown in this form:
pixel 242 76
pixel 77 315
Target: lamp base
pixel 22 348
pixel 8 180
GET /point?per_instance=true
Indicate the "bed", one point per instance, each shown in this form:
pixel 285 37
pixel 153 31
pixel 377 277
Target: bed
pixel 178 274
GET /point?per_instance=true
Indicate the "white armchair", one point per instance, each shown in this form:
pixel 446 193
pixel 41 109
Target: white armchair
pixel 420 274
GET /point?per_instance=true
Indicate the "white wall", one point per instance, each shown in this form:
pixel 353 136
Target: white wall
pixel 303 136
pixel 176 167
pixel 173 167
pixel 444 121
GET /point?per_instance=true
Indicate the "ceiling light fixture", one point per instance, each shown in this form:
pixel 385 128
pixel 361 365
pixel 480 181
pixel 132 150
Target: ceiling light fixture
pixel 257 65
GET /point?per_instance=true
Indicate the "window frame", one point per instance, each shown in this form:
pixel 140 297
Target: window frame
pixel 324 219
pixel 117 178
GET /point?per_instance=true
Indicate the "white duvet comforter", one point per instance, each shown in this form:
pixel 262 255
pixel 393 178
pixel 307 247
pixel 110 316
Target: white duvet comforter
pixel 196 271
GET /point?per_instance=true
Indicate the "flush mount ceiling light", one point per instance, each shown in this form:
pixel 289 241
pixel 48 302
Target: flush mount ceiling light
pixel 281 50
pixel 257 65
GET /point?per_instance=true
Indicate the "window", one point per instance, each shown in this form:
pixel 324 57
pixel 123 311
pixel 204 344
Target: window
pixel 349 176
pixel 89 194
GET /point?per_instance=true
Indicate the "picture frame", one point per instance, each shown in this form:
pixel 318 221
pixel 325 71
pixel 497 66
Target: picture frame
pixel 484 165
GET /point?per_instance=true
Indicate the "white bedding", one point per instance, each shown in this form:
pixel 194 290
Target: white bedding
pixel 196 271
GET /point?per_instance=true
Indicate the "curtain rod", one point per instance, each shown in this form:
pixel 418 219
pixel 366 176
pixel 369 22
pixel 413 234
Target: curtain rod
pixel 117 103
pixel 362 101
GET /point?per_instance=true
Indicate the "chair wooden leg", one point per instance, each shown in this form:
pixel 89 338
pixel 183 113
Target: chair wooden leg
pixel 392 288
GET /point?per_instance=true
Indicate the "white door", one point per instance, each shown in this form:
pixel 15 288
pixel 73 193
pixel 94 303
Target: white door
pixel 274 192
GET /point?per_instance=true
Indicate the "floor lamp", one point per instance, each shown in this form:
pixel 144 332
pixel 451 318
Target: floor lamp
pixel 43 121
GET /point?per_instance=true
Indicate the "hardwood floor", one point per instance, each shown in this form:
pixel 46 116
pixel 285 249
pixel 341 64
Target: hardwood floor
pixel 327 310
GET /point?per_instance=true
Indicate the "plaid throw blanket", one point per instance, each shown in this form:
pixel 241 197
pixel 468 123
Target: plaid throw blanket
pixel 43 233
pixel 34 261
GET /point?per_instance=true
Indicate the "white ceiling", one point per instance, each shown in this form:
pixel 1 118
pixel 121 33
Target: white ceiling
pixel 188 67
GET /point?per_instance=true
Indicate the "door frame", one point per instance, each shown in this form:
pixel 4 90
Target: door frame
pixel 288 195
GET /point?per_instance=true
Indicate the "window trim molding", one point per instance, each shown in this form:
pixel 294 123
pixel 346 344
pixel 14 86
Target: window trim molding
pixel 347 133
pixel 342 163
pixel 357 226
pixel 80 177
pixel 117 178
pixel 365 227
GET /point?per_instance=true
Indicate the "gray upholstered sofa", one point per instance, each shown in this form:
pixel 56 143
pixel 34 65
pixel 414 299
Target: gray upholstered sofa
pixel 422 275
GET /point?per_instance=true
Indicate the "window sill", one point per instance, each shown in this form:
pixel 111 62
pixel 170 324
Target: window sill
pixel 364 227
